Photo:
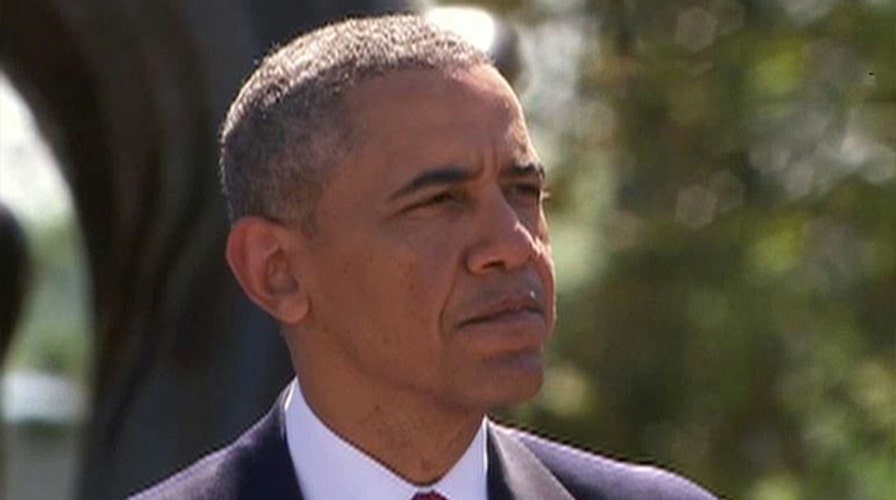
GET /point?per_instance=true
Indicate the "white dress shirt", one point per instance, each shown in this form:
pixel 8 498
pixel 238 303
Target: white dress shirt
pixel 330 468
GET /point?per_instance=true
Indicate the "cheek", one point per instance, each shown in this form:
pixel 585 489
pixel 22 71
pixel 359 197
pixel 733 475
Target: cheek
pixel 545 266
pixel 424 275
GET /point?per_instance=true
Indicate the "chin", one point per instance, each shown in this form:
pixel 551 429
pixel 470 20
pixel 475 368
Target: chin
pixel 514 399
pixel 517 380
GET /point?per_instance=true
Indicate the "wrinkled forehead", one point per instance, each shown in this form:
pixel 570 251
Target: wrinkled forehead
pixel 460 104
pixel 457 85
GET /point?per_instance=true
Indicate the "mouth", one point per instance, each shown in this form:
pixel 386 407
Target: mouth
pixel 514 308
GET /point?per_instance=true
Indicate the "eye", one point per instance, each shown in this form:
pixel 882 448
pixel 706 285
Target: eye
pixel 530 193
pixel 440 199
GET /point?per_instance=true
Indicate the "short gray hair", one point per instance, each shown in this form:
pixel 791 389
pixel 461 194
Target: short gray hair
pixel 288 128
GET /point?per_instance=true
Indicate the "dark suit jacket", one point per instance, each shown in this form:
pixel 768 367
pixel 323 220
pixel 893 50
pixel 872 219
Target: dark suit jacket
pixel 521 466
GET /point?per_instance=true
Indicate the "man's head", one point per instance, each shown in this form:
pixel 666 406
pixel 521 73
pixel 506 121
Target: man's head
pixel 287 128
pixel 428 271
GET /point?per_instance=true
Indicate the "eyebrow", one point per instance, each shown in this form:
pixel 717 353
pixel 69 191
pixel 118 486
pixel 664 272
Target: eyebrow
pixel 437 177
pixel 456 175
pixel 451 175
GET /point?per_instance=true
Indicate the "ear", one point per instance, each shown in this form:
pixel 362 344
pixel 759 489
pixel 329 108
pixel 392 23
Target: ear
pixel 260 254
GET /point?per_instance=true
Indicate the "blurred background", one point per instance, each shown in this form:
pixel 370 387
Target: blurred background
pixel 723 209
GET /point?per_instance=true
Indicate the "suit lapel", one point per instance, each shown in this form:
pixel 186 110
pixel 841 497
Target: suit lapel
pixel 515 473
pixel 272 472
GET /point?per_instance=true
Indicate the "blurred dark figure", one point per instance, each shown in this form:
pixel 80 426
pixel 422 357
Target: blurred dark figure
pixel 14 270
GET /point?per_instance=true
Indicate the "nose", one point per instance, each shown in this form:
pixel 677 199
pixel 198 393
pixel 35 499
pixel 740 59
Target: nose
pixel 503 241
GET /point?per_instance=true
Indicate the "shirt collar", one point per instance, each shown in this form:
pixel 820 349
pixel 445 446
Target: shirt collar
pixel 329 467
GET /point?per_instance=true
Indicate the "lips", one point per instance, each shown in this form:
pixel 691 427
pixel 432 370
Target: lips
pixel 516 306
pixel 504 319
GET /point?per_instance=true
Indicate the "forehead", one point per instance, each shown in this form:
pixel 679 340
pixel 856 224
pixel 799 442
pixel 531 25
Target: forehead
pixel 469 112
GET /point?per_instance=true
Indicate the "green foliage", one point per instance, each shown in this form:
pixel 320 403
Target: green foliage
pixel 727 250
pixel 52 333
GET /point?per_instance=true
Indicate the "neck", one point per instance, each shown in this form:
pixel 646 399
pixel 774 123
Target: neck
pixel 409 433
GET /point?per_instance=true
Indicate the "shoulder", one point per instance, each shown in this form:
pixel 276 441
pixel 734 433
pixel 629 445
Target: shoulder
pixel 256 465
pixel 211 477
pixel 590 476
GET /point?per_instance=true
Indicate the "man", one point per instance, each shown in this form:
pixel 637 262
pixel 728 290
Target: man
pixel 387 211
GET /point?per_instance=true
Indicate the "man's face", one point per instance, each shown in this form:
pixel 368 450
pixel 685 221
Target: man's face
pixel 430 269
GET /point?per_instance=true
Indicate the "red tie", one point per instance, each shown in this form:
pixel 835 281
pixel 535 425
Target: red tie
pixel 429 495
